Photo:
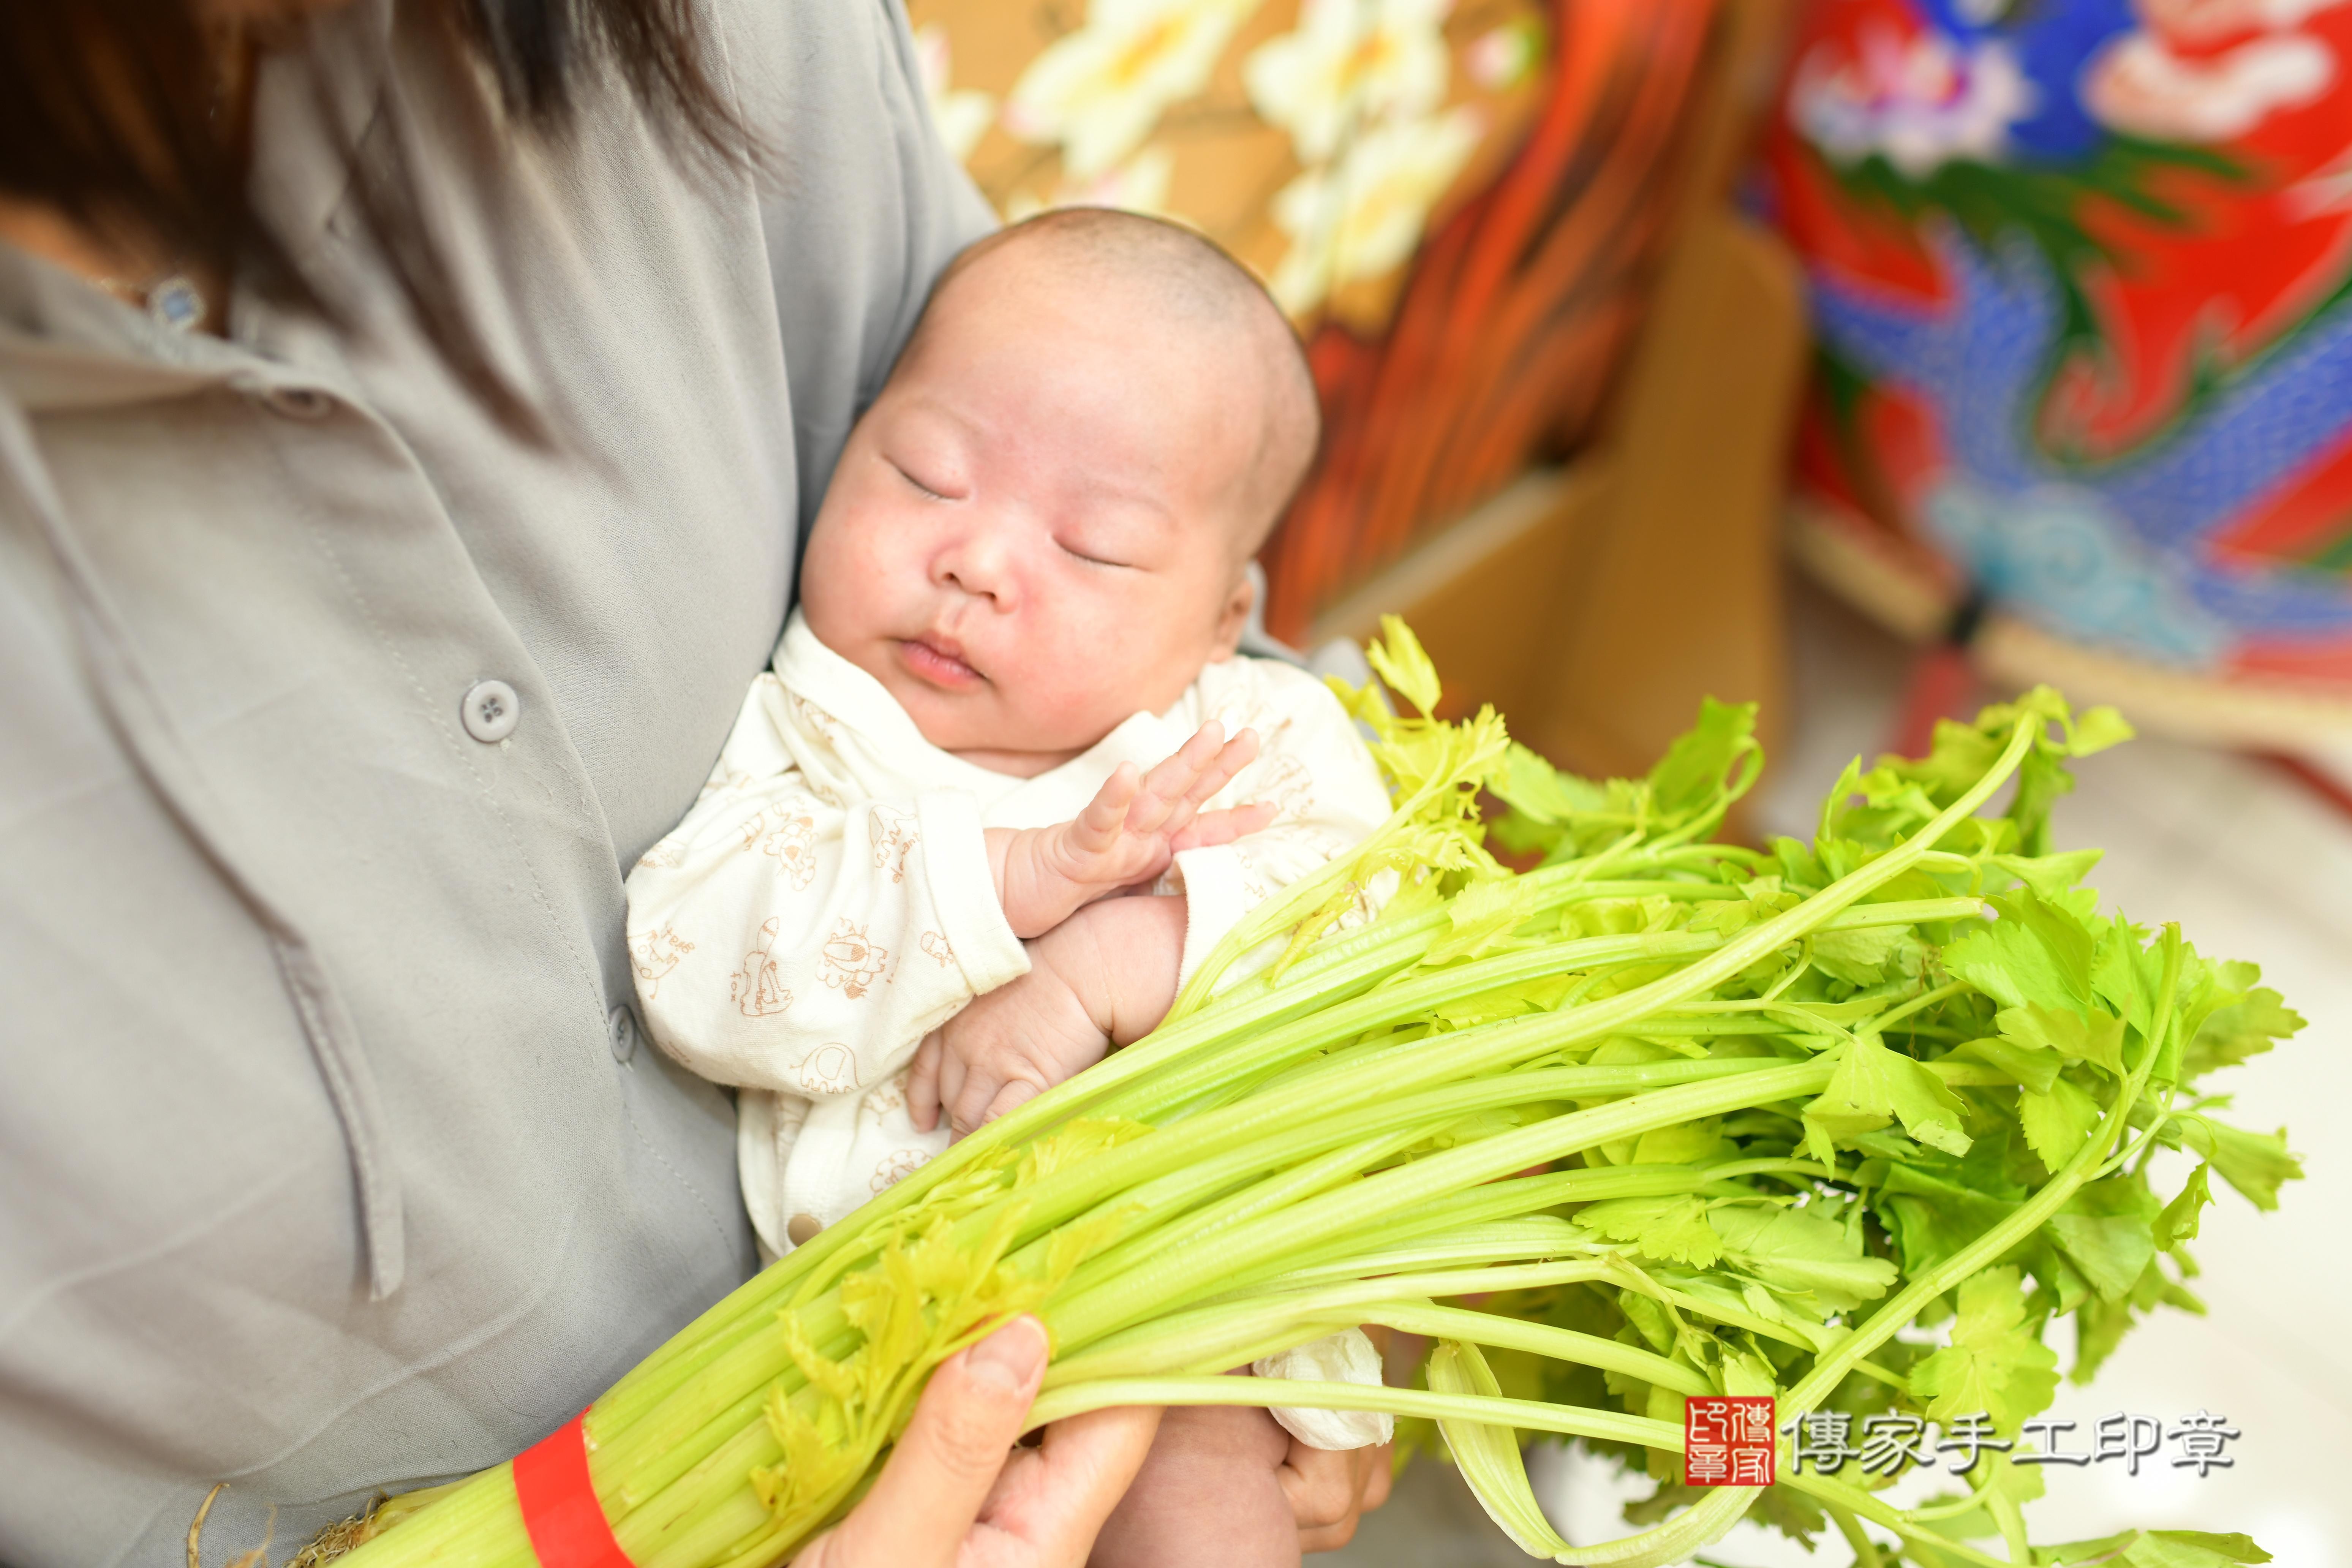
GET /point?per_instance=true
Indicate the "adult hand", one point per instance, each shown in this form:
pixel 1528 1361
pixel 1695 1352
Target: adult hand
pixel 956 1494
pixel 1329 1492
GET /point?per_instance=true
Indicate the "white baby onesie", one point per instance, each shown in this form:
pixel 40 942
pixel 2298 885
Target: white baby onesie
pixel 828 901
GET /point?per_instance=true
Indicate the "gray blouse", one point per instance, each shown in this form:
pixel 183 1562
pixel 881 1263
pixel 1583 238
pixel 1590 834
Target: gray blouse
pixel 330 717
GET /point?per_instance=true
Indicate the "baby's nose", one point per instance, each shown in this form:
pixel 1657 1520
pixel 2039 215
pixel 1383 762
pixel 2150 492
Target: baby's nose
pixel 981 566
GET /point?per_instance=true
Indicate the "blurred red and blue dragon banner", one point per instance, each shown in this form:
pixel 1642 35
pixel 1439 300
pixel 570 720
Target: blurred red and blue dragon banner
pixel 2079 271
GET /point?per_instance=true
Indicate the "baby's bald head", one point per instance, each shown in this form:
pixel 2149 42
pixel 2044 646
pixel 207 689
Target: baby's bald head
pixel 1180 296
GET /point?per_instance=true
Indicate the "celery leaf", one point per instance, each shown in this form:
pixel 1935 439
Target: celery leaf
pixel 2036 951
pixel 1481 919
pixel 2256 1163
pixel 1403 667
pixel 2246 1027
pixel 2178 1221
pixel 2049 875
pixel 1996 1363
pixel 2057 1122
pixel 1802 1254
pixel 2097 1038
pixel 1536 790
pixel 1874 1085
pixel 2155 1549
pixel 2037 1067
pixel 2105 1231
pixel 1692 771
pixel 1671 1229
pixel 1858 957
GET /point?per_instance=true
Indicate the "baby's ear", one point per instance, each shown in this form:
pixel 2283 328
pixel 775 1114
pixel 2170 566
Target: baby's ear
pixel 1233 617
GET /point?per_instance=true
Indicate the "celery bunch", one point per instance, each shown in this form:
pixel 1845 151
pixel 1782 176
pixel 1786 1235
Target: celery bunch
pixel 1708 1120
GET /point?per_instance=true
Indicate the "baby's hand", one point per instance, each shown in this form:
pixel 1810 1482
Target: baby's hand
pixel 1104 977
pixel 1130 832
pixel 1009 1046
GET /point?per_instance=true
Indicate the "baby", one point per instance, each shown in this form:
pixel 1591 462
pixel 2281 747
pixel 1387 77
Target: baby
pixel 1010 694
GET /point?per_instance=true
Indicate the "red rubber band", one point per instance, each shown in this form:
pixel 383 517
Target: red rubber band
pixel 560 1510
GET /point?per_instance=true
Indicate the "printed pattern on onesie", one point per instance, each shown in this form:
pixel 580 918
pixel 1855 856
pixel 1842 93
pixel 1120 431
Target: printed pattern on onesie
pixel 791 938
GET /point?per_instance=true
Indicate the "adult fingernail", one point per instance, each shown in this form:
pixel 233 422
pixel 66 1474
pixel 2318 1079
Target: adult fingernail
pixel 1013 1357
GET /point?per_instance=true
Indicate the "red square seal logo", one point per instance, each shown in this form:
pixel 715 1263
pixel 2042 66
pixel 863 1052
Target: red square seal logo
pixel 1727 1440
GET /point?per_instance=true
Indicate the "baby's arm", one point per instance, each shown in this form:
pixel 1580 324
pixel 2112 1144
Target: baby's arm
pixel 1102 970
pixel 1105 976
pixel 1136 826
pixel 788 940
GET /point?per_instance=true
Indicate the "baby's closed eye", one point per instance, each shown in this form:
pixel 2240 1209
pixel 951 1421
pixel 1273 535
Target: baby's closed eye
pixel 1095 555
pixel 936 492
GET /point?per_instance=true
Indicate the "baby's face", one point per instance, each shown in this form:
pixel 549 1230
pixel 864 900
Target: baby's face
pixel 1038 529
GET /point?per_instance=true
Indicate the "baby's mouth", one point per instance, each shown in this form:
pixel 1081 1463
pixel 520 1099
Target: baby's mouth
pixel 940 664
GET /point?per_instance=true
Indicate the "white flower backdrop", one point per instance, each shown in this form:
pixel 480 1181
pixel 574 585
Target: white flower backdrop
pixel 1314 138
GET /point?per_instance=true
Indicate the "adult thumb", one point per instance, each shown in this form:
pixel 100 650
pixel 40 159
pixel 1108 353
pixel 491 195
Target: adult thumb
pixel 932 1490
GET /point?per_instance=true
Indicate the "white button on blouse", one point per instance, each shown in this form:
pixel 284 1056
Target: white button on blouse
pixel 492 710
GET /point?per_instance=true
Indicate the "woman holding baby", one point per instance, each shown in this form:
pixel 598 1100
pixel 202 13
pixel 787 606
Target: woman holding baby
pixel 412 415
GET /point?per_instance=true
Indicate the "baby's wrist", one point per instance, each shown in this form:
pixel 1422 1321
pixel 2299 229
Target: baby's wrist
pixel 1121 957
pixel 1034 895
pixel 1013 861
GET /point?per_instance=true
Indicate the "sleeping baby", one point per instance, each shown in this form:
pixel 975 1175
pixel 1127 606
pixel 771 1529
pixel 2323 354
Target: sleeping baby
pixel 1007 781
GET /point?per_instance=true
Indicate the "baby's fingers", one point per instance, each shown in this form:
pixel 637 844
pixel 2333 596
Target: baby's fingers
pixel 1011 1098
pixel 1097 827
pixel 978 1097
pixel 1229 759
pixel 1213 827
pixel 923 1084
pixel 1167 787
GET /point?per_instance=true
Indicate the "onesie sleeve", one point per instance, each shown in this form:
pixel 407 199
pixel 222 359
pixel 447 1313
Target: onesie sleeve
pixel 785 938
pixel 1312 766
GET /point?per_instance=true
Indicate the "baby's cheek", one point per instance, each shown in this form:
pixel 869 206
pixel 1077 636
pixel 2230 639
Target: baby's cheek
pixel 1075 685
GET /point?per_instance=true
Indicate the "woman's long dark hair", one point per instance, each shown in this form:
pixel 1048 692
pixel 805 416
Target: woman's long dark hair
pixel 109 114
